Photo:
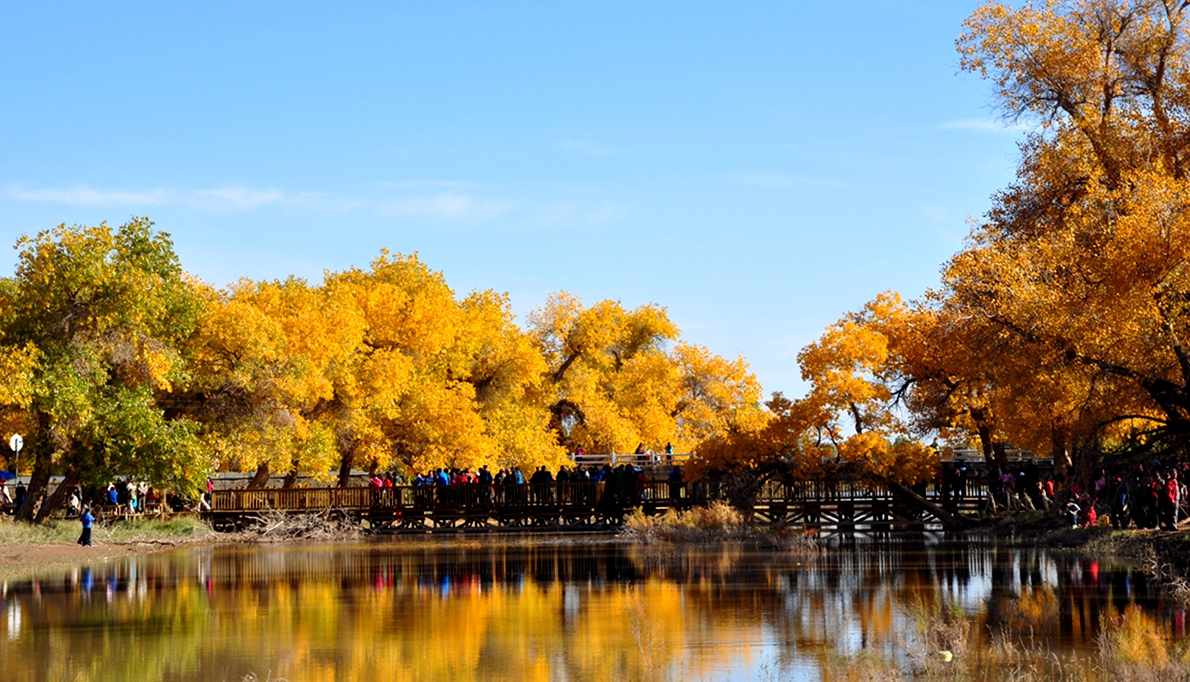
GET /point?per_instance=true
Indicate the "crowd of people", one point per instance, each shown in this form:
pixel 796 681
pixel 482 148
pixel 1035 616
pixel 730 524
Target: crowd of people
pixel 124 497
pixel 483 476
pixel 1145 496
pixel 482 486
pixel 1020 488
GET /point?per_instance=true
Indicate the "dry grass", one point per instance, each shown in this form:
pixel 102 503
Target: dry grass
pixel 252 677
pixel 714 523
pixel 58 532
pixel 697 524
pixel 1131 649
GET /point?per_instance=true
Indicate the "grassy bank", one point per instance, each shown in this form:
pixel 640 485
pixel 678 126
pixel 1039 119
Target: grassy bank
pixel 27 549
pixel 1038 529
pixel 174 530
pixel 1164 555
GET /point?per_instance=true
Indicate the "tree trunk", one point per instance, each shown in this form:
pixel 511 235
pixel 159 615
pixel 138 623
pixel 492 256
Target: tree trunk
pixel 345 469
pixel 38 482
pixel 261 478
pixel 1001 456
pixel 1087 462
pixel 290 480
pixel 1060 453
pixel 985 442
pixel 58 497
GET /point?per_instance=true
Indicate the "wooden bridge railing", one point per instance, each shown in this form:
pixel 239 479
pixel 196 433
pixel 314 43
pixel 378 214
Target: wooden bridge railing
pixel 289 500
pixel 448 497
pixel 553 495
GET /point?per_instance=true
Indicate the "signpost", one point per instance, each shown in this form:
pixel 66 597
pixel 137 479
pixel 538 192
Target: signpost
pixel 16 442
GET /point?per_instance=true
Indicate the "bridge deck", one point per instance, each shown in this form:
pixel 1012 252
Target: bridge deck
pixel 593 505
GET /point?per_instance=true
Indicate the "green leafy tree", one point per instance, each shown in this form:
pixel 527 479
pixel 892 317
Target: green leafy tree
pixel 90 323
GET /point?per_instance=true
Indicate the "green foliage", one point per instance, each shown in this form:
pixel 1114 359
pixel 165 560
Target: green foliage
pixel 92 321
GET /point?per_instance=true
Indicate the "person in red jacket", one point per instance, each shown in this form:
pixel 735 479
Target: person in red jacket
pixel 1170 494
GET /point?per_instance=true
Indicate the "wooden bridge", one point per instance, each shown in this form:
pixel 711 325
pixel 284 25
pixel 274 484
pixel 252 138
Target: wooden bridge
pixel 828 506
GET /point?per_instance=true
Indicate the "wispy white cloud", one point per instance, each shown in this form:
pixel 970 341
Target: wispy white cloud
pixel 985 126
pixel 87 196
pixel 430 183
pixel 447 206
pixel 223 199
pixel 233 198
pixel 606 214
pixel 938 213
pixel 571 215
pixel 589 148
pixel 780 181
pixel 442 200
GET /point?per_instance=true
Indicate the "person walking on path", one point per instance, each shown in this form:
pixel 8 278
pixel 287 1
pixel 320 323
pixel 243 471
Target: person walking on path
pixel 88 520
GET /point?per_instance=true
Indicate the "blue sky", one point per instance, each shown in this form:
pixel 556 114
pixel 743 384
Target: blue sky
pixel 757 168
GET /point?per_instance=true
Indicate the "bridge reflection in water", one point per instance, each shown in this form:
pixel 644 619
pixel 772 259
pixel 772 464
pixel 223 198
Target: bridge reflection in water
pixel 838 506
pixel 555 609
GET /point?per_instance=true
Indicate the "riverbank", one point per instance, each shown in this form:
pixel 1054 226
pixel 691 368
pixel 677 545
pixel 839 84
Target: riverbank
pixel 26 548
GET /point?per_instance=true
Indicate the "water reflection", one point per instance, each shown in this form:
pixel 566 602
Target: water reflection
pixel 541 609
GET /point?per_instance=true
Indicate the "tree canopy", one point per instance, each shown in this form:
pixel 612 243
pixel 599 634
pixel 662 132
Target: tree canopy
pixel 119 364
pixel 91 326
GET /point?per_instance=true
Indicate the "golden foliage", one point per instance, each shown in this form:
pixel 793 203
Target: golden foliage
pixel 376 368
pixel 849 418
pixel 1075 283
pixel 1063 324
pixel 612 383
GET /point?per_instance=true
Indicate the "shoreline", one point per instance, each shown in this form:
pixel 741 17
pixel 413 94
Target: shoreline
pixel 27 560
pixel 1163 554
pixel 26 550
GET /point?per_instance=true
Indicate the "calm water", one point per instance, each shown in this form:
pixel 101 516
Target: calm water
pixel 548 609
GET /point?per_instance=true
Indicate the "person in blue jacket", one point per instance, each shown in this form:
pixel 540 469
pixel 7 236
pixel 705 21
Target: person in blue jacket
pixel 88 520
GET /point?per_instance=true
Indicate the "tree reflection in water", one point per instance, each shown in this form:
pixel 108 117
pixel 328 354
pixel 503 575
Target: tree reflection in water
pixel 496 608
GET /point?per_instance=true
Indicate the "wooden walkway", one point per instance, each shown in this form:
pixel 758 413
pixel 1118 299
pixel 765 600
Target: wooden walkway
pixel 596 506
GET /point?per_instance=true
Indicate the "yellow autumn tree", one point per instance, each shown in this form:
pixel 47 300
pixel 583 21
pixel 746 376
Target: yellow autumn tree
pixel 858 389
pixel 613 383
pixel 855 421
pixel 436 382
pixel 508 374
pixel 1077 276
pixel 266 358
pixel 90 329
